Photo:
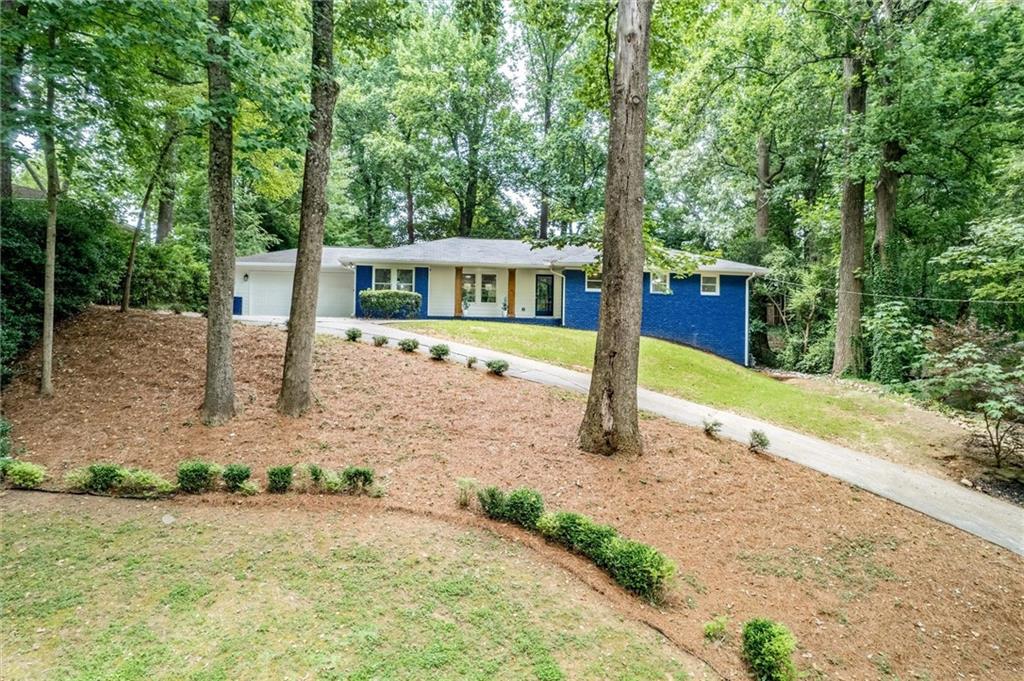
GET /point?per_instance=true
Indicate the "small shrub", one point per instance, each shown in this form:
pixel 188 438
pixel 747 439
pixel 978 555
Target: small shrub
pixel 439 351
pixel 640 568
pixel 408 344
pixel 492 501
pixel 466 488
pixel 332 483
pixel 471 362
pixel 103 477
pixel 234 475
pixel 758 441
pixel 716 629
pixel 5 438
pixel 380 341
pixel 387 304
pixel 497 366
pixel 248 489
pixel 25 475
pixel 77 479
pixel 768 648
pixel 712 427
pixel 279 479
pixel 316 474
pixel 353 334
pixel 356 479
pixel 139 482
pixel 196 477
pixel 524 506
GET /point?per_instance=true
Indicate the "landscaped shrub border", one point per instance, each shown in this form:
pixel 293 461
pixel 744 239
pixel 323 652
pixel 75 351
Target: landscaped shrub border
pixel 768 648
pixel 108 479
pixel 639 568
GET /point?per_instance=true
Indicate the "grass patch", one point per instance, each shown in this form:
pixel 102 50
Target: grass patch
pixel 298 598
pixel 856 420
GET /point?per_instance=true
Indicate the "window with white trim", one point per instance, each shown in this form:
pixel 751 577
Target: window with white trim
pixel 397 279
pixel 661 283
pixel 469 288
pixel 488 288
pixel 709 284
pixel 593 282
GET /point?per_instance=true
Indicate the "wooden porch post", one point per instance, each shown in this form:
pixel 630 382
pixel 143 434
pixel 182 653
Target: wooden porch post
pixel 512 293
pixel 458 291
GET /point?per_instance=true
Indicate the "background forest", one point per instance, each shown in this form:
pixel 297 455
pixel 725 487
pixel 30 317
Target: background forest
pixel 865 151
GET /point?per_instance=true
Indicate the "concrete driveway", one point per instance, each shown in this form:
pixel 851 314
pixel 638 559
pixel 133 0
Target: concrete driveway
pixel 992 519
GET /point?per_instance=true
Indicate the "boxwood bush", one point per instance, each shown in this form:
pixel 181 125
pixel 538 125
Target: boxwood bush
pixel 497 367
pixel 408 344
pixel 140 482
pixel 439 351
pixel 196 477
pixel 492 501
pixel 279 479
pixel 234 475
pixel 24 475
pixel 353 333
pixel 102 478
pixel 524 506
pixel 356 479
pixel 390 304
pixel 768 648
pixel 380 341
pixel 640 568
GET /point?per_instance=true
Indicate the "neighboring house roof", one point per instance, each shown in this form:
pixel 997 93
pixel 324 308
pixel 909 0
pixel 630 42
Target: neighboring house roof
pixel 472 252
pixel 20 191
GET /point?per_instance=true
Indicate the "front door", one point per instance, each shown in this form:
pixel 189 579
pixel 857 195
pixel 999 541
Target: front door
pixel 545 295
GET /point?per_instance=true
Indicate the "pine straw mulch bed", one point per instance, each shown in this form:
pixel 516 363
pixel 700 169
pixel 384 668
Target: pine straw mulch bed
pixel 866 585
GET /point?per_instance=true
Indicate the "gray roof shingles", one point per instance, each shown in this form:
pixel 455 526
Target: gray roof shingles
pixel 468 251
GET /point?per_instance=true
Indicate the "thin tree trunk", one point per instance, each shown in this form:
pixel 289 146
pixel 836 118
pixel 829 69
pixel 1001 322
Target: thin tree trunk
pixel 13 57
pixel 296 389
pixel 851 256
pixel 468 212
pixel 165 206
pixel 410 210
pixel 219 398
pixel 885 197
pixel 52 185
pixel 761 194
pixel 545 208
pixel 610 424
pixel 126 291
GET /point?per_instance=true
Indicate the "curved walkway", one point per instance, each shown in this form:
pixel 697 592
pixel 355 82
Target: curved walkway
pixel 992 519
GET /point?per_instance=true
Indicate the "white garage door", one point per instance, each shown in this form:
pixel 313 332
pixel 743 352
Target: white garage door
pixel 270 293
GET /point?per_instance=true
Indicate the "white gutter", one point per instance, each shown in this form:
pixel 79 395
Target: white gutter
pixel 746 320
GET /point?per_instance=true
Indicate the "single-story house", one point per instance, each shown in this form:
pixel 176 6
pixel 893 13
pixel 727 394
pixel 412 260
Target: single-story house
pixel 507 280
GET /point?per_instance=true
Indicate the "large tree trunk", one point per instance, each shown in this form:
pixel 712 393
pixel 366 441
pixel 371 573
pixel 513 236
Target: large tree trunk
pixel 52 184
pixel 885 197
pixel 610 424
pixel 126 291
pixel 410 211
pixel 296 390
pixel 761 194
pixel 851 256
pixel 219 398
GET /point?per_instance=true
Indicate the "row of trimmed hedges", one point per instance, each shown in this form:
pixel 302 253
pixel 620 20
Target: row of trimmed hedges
pixel 639 568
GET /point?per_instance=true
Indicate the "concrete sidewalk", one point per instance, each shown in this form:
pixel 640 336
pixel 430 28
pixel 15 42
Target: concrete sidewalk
pixel 992 519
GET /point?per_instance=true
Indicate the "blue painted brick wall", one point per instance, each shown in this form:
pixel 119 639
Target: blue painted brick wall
pixel 713 323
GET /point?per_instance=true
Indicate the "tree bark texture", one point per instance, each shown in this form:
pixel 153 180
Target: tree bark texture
pixel 126 290
pixel 168 188
pixel 545 202
pixel 410 211
pixel 851 250
pixel 219 398
pixel 52 185
pixel 296 385
pixel 761 194
pixel 610 424
pixel 885 197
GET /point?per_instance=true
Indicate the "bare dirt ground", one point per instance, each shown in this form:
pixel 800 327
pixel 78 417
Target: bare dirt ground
pixel 871 589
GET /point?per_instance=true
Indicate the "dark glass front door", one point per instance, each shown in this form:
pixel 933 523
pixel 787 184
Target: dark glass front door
pixel 545 295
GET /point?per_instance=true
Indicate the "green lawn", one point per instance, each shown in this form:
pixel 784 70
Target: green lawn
pixel 854 418
pixel 259 596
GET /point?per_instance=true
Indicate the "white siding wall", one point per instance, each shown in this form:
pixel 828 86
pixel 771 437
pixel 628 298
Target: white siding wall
pixel 488 309
pixel 269 292
pixel 441 295
pixel 526 293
